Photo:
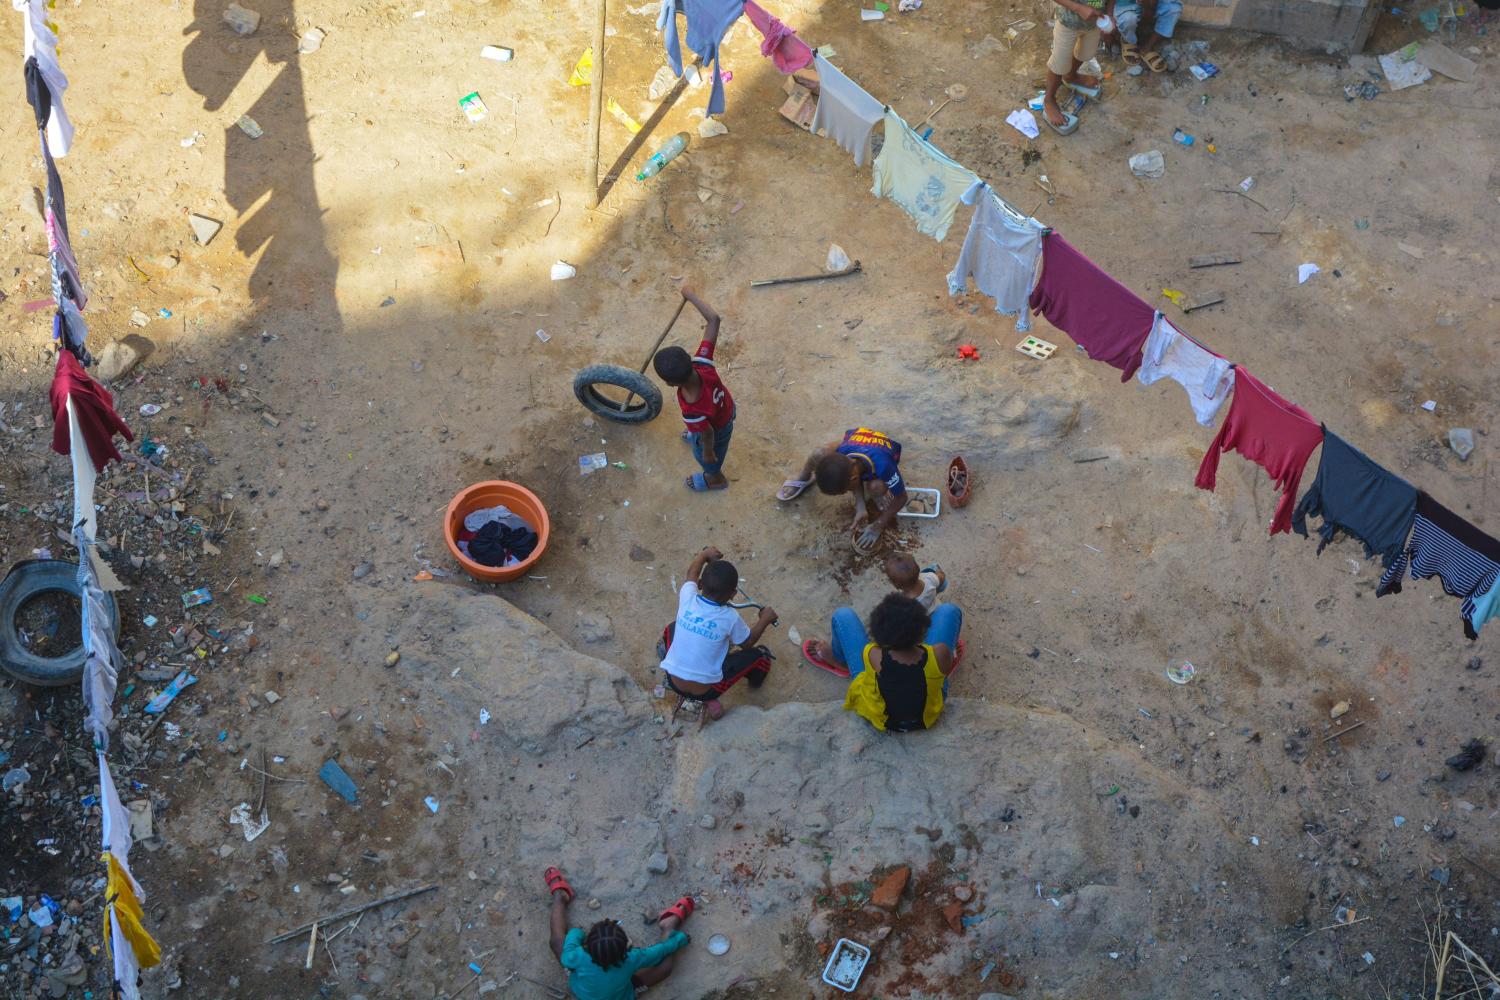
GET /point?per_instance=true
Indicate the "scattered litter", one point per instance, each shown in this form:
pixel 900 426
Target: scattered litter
pixel 1247 184
pixel 484 716
pixel 838 259
pixel 191 140
pixel 193 598
pixel 1255 841
pixel 907 6
pixel 498 53
pixel 668 152
pixel 1181 671
pixel 583 70
pixel 14 906
pixel 240 816
pixel 250 126
pixel 588 464
pixel 661 83
pixel 543 336
pixel 1149 164
pixel 1178 299
pixel 1471 754
pixel 159 704
pixel 1023 121
pixel 1399 821
pixel 1440 875
pixel 1461 440
pixel 1444 60
pixel 846 963
pixel 473 107
pixel 1182 138
pixel 431 803
pixel 149 621
pixel 1369 958
pixel 1204 70
pixel 40 915
pixel 622 116
pixel 710 127
pixel 1364 89
pixel 14 778
pixel 334 777
pixel 562 271
pixel 1402 69
pixel 718 945
pixel 1339 710
pixel 968 352
pixel 312 41
pixel 241 20
pixel 1305 271
pixel 1430 406
pixel 865 14
pixel 272 697
pixel 204 228
pixel 141 820
pixel 150 409
pixel 1361 224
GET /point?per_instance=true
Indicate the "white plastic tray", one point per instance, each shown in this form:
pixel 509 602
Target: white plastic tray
pixel 937 503
pixel 846 963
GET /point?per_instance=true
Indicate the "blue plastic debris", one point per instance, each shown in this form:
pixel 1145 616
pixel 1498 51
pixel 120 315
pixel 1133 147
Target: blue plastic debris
pixel 474 968
pixel 223 735
pixel 159 704
pixel 431 802
pixel 334 777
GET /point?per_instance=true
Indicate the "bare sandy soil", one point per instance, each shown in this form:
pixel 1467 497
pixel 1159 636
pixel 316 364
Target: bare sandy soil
pixel 378 287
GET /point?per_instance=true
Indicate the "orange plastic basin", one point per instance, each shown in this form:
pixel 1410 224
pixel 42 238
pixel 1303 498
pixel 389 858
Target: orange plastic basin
pixel 492 494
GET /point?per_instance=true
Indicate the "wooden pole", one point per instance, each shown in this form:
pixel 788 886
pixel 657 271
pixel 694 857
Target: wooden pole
pixel 596 105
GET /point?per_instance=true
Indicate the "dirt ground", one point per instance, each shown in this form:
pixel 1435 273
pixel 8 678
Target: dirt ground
pixel 377 290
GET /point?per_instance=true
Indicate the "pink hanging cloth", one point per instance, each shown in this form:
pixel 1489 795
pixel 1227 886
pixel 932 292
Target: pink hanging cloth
pixel 781 43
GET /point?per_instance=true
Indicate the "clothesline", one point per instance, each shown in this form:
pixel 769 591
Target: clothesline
pixel 1105 318
pixel 84 425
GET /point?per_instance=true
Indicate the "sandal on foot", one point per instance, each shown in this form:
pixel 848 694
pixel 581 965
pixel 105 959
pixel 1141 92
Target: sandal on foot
pixel 682 909
pixel 818 661
pixel 1154 62
pixel 555 881
pixel 699 483
pixel 791 489
pixel 1130 54
pixel 1068 127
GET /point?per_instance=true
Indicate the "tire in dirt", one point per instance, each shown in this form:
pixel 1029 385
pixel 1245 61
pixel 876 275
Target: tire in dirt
pixel 27 580
pixel 645 406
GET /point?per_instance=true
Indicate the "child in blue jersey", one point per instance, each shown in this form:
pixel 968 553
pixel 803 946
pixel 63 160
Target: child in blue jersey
pixel 866 463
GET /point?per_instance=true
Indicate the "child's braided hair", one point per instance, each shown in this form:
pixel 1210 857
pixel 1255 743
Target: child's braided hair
pixel 607 944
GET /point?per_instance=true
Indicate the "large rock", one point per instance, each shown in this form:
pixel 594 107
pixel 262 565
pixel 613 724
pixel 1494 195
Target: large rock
pixel 117 360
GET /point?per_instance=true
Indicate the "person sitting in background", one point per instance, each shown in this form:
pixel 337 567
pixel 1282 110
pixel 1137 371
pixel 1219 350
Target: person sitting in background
pixel 922 586
pixel 1162 15
pixel 900 667
pixel 695 647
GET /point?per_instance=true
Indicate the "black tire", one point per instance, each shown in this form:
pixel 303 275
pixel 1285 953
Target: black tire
pixel 27 580
pixel 645 406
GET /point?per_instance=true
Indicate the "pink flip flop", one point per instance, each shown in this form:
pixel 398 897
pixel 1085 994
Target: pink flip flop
pixel 832 668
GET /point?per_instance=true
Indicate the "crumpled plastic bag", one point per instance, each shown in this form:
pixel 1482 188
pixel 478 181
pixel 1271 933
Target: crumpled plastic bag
pixel 1148 164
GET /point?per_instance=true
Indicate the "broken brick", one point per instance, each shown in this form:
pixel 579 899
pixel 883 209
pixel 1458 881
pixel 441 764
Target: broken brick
pixel 954 914
pixel 888 893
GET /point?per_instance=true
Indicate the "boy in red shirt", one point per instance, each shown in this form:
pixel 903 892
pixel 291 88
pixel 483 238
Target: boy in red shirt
pixel 707 408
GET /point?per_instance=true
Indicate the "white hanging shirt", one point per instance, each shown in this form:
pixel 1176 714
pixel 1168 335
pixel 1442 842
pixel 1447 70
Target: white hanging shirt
pixel 1208 378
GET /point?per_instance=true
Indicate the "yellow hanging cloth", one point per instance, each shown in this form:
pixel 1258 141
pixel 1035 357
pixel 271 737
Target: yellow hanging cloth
pixel 127 910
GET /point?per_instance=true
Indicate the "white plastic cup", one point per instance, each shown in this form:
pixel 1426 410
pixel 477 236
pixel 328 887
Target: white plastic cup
pixel 562 271
pixel 1106 24
pixel 497 52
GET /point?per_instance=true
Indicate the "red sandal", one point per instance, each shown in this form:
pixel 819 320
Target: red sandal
pixel 556 881
pixel 682 909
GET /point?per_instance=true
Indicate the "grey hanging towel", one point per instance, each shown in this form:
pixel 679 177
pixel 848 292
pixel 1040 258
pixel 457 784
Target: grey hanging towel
pixel 1354 495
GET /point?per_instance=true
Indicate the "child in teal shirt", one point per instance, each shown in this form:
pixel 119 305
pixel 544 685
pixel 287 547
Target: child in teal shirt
pixel 601 963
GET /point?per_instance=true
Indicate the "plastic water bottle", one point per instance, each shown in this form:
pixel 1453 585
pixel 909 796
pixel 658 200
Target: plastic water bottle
pixel 668 152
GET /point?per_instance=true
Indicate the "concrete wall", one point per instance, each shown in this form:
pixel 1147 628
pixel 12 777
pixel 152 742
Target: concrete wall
pixel 1343 24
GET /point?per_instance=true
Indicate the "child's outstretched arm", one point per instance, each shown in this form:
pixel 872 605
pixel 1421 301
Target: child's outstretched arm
pixel 767 616
pixel 695 568
pixel 711 334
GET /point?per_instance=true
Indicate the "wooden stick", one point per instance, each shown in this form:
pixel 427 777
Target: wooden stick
pixel 1242 195
pixel 766 282
pixel 1341 732
pixel 312 946
pixel 351 911
pixel 1330 927
pixel 596 103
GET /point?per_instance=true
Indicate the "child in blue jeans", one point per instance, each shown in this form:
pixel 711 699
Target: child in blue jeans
pixel 899 669
pixel 1129 14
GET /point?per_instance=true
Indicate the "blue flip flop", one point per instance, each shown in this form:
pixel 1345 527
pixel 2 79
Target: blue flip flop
pixel 698 483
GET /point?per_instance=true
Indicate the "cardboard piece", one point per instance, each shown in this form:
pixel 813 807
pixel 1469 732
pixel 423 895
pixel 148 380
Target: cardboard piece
pixel 1437 56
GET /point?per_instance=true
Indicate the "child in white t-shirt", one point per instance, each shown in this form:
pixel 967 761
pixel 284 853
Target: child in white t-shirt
pixel 698 663
pixel 922 586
